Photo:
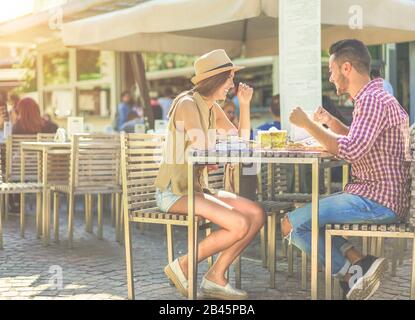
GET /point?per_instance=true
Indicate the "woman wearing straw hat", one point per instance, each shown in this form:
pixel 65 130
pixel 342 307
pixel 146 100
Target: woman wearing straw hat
pixel 194 115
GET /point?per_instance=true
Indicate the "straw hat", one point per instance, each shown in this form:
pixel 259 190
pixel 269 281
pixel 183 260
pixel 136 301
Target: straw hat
pixel 211 64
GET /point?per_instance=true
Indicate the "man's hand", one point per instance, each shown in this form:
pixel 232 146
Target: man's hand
pixel 245 93
pixel 299 118
pixel 322 116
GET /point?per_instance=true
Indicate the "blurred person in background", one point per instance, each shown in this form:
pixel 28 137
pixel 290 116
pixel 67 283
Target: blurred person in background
pixel 124 109
pixel 29 120
pixel 274 109
pixel 375 74
pixel 165 102
pixel 157 109
pixel 230 110
pixel 48 119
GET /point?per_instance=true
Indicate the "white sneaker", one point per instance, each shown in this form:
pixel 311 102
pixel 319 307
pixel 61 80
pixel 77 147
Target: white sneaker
pixel 175 273
pixel 213 290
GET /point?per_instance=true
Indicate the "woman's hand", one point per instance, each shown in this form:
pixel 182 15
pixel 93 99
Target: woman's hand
pixel 245 93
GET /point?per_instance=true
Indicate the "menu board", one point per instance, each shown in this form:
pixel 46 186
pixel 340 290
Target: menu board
pixel 300 60
pixel 75 125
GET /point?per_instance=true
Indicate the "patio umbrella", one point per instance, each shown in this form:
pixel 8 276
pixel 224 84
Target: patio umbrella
pixel 238 26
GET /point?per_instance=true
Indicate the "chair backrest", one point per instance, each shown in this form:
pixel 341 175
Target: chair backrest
pixel 141 156
pixel 216 178
pixel 2 162
pixel 58 164
pixel 95 161
pixel 13 158
pixel 270 185
pixel 46 137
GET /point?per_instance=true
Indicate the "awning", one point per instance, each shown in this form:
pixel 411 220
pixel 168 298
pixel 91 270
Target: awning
pixel 249 26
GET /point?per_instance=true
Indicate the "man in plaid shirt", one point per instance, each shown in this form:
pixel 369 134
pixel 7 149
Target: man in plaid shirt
pixel 375 145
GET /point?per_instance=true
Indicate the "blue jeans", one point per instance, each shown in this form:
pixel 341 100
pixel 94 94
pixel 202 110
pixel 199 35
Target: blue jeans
pixel 337 208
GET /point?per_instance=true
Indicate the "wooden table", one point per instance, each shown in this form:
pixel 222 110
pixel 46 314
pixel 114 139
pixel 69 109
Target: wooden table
pixel 45 149
pixel 316 159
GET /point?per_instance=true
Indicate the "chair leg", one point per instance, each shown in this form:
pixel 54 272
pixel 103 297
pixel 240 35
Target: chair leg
pixel 71 210
pixel 170 243
pixel 373 246
pixel 379 249
pixel 39 214
pixel 113 209
pixel 268 236
pixel 271 249
pixel 337 290
pixel 283 245
pixel 192 242
pixel 122 222
pixel 208 231
pixel 6 207
pixel 56 216
pixel 328 266
pixel 303 270
pixel 290 260
pixel 46 219
pixel 22 214
pixel 129 260
pixel 1 220
pixel 395 255
pixel 413 271
pixel 89 226
pixel 117 218
pixel 100 222
pixel 401 251
pixel 365 246
pixel 237 266
pixel 263 246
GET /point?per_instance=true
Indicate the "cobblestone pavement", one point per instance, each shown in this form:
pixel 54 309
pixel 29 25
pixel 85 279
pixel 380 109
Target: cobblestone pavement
pixel 95 269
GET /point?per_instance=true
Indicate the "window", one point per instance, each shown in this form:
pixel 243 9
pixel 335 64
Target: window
pixel 59 103
pixel 56 68
pixel 94 101
pixel 92 65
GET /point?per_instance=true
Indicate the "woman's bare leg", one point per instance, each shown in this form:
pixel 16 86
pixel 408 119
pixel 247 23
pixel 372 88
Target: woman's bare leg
pixel 256 216
pixel 234 225
pixel 239 218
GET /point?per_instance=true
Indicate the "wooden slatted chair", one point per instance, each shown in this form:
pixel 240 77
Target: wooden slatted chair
pixel 17 188
pixel 375 231
pixel 94 170
pixel 13 175
pixel 13 162
pixel 21 188
pixel 58 174
pixel 141 157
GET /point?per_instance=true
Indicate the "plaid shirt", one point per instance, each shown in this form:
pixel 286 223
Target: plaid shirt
pixel 377 146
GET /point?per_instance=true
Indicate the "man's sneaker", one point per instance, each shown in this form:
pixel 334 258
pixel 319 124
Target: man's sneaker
pixel 372 269
pixel 346 289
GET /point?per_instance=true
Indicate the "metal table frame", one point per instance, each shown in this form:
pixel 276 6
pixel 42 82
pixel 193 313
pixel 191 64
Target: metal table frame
pixel 317 160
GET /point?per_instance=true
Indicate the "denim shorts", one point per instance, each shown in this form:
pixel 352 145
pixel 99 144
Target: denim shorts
pixel 165 199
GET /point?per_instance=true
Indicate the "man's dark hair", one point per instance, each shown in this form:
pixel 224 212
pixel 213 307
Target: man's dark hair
pixel 353 51
pixel 374 73
pixel 275 105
